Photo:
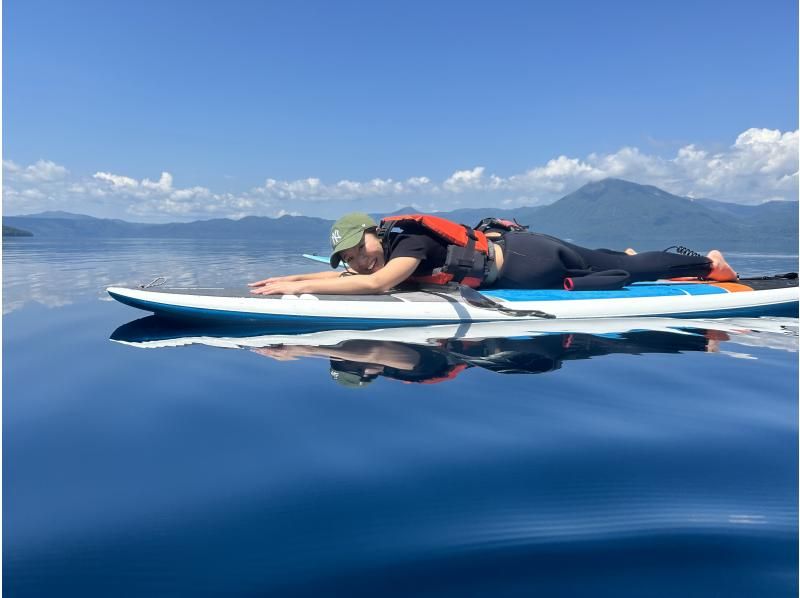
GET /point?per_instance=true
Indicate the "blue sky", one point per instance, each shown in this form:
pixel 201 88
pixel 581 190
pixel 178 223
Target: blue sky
pixel 322 107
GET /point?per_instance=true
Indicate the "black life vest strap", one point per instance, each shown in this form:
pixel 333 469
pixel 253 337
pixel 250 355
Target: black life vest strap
pixel 460 261
pixel 382 231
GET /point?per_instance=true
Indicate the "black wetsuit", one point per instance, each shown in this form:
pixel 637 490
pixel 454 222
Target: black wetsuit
pixel 534 260
pixel 538 261
pixel 536 355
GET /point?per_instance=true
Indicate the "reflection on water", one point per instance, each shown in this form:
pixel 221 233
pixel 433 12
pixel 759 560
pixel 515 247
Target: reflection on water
pixel 57 273
pixel 433 354
pixel 648 458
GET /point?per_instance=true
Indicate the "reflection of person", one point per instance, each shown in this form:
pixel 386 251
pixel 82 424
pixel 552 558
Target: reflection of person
pixel 359 362
pixel 380 259
pixel 548 352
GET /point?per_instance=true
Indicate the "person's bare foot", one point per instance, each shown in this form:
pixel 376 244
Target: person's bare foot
pixel 721 270
pixel 630 251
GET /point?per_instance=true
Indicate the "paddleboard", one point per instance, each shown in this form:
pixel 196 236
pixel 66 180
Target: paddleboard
pixel 447 305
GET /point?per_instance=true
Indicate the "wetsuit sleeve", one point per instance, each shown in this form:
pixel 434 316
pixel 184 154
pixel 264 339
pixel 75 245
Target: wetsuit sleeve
pixel 416 246
pixel 430 252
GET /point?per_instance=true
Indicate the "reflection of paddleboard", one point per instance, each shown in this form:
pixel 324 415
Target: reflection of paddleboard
pixel 442 305
pixel 430 354
pixel 153 332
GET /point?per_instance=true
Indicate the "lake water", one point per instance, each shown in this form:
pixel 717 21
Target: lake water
pixel 167 462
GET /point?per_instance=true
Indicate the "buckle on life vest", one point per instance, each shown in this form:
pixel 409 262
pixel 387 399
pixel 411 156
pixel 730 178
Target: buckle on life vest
pixel 500 225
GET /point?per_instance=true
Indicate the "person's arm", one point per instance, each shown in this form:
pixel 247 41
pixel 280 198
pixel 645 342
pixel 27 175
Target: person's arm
pixel 393 355
pixel 295 277
pixel 392 274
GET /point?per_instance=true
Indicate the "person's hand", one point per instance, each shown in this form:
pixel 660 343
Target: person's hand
pixel 278 287
pixel 261 283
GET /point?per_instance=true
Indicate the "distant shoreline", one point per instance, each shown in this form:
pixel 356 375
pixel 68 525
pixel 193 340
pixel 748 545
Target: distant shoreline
pixel 611 213
pixel 752 248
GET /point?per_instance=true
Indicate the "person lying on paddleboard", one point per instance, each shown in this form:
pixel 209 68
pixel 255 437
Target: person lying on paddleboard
pixel 497 253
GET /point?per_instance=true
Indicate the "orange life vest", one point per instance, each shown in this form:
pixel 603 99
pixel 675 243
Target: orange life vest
pixel 449 375
pixel 469 253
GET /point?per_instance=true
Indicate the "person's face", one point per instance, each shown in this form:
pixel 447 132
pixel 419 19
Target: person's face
pixel 366 257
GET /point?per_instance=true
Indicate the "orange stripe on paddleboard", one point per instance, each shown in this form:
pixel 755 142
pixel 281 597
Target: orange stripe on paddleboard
pixel 732 287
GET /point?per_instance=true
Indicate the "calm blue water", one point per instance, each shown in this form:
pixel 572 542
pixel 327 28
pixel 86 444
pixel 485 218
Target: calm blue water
pixel 627 463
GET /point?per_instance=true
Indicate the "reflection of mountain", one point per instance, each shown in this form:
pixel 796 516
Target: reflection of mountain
pixel 439 353
pixel 609 212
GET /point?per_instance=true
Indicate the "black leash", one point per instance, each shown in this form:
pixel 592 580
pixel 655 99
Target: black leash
pixel 681 250
pixel 477 299
pixel 787 276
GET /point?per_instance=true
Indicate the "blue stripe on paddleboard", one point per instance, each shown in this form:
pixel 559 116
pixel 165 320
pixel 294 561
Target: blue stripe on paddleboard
pixel 636 290
pixel 318 258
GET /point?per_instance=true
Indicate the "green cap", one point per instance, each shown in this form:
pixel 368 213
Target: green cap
pixel 350 379
pixel 347 232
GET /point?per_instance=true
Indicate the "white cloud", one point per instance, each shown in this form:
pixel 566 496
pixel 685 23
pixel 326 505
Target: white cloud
pixel 760 165
pixel 418 182
pixel 313 189
pixel 10 168
pixel 164 184
pixel 34 194
pixel 462 180
pixel 116 180
pixel 39 171
pixel 190 193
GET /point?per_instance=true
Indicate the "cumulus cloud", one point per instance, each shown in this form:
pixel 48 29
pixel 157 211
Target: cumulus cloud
pixel 163 185
pixel 116 180
pixel 462 180
pixel 313 189
pixel 45 186
pixel 40 171
pixel 760 165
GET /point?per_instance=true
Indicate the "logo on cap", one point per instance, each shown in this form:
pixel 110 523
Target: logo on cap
pixel 335 236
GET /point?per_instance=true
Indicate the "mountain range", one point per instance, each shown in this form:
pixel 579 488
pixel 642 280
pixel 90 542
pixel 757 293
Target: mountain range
pixel 611 212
